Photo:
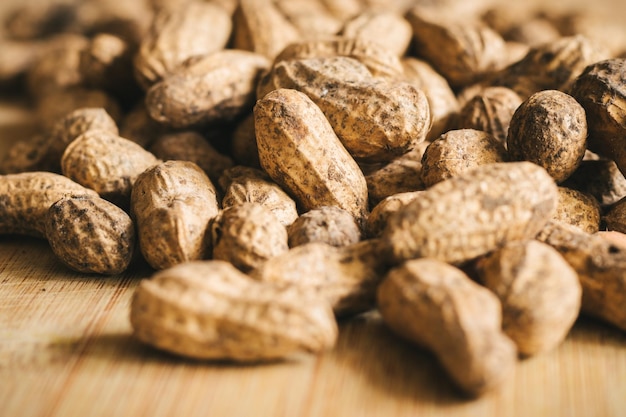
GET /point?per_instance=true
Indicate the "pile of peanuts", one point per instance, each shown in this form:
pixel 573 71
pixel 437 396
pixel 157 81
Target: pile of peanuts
pixel 280 164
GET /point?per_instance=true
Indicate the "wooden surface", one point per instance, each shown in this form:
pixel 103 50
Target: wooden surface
pixel 66 350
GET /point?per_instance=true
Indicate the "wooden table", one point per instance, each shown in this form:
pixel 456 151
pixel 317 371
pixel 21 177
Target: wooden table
pixel 66 350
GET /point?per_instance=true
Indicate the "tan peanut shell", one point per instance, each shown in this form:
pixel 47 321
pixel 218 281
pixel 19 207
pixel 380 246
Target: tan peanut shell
pixel 470 215
pixel 260 27
pixel 247 235
pixel 206 89
pixel 310 18
pixel 211 310
pixel 578 209
pixel 462 50
pixel 615 217
pixel 172 204
pixel 300 151
pixel 378 60
pixel 244 184
pixel 198 28
pixel 26 197
pixel 191 146
pixel 386 28
pixel 403 174
pixel 601 268
pixel 551 66
pixel 330 225
pixel 490 110
pixel 345 276
pixel 91 235
pixel 601 90
pixel 457 151
pixel 549 129
pixel 441 99
pixel 138 126
pixel 106 162
pixel 600 178
pixel 436 306
pixel 377 219
pixel 375 120
pixel 539 292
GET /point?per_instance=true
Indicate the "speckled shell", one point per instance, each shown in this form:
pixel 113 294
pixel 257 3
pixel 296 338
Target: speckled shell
pixel 245 184
pixel 578 209
pixel 247 235
pixel 105 162
pixel 260 27
pixel 300 151
pixel 375 120
pixel 210 310
pixel 599 178
pixel 490 110
pixel 346 277
pixel 549 129
pixel 437 306
pixel 173 203
pixel 615 217
pixel 469 215
pixel 377 220
pixel 457 151
pixel 386 28
pixel 601 90
pixel 91 235
pixel 330 225
pixel 539 292
pixel 378 60
pixel 191 146
pixel 462 50
pixel 196 29
pixel 26 197
pixel 206 89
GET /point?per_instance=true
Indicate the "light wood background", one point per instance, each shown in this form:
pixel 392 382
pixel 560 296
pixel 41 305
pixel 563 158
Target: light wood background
pixel 66 350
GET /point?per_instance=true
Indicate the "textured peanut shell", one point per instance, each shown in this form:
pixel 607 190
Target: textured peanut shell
pixel 54 106
pixel 441 98
pixel 378 60
pixel 615 217
pixel 247 235
pixel 550 66
pixel 467 216
pixel 386 28
pixel 375 120
pixel 601 90
pixel 206 89
pixel 191 146
pixel 300 151
pixel 403 174
pixel 599 178
pixel 457 151
pixel 377 220
pixel 210 310
pixel 346 277
pixel 539 291
pixel 438 307
pixel 172 204
pixel 244 184
pixel 26 197
pixel 462 50
pixel 490 111
pixel 198 28
pixel 330 225
pixel 260 27
pixel 106 162
pixel 601 268
pixel 549 129
pixel 310 18
pixel 578 209
pixel 43 152
pixel 138 126
pixel 91 235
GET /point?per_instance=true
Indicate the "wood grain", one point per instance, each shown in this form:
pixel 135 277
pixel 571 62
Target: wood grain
pixel 66 350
